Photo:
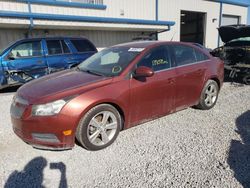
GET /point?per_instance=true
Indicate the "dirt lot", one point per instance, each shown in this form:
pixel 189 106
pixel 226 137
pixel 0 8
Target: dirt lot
pixel 191 148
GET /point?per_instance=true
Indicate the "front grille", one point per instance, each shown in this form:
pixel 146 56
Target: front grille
pixel 18 106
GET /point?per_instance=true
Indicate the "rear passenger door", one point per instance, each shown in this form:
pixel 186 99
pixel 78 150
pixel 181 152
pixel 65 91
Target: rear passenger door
pixel 190 74
pixel 58 55
pixel 83 49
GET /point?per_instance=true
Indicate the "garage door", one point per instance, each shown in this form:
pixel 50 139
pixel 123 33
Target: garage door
pixel 230 20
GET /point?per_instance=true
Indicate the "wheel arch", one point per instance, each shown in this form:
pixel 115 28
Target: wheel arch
pixel 120 110
pixel 73 65
pixel 214 78
pixel 115 104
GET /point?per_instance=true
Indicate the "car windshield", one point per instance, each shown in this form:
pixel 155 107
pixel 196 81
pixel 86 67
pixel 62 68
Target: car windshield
pixel 110 62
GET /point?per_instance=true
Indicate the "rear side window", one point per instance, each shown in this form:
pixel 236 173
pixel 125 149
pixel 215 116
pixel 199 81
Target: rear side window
pixel 83 45
pixel 157 59
pixel 56 47
pixel 27 49
pixel 65 47
pixel 184 55
pixel 200 56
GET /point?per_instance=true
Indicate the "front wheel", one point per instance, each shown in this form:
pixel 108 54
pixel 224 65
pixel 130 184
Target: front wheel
pixel 246 79
pixel 209 95
pixel 99 127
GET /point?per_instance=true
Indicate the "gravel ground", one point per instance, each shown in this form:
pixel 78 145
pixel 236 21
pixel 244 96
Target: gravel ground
pixel 191 148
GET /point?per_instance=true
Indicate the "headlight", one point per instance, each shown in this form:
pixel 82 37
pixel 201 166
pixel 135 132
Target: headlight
pixel 48 109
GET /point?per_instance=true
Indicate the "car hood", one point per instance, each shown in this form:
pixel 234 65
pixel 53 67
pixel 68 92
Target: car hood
pixel 231 32
pixel 60 85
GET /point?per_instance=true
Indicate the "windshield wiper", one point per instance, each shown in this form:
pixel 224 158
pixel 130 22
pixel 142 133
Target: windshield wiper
pixel 91 72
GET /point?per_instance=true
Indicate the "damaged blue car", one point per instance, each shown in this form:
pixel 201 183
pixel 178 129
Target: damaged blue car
pixel 29 59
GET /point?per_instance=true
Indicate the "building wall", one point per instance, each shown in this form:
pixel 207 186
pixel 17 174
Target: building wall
pixel 142 9
pixel 101 34
pixel 171 10
pixel 12 22
pixel 101 39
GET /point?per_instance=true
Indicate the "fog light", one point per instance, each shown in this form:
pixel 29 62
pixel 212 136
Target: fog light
pixel 45 137
pixel 67 133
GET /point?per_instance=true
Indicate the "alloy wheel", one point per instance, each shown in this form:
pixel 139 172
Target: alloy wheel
pixel 102 128
pixel 211 95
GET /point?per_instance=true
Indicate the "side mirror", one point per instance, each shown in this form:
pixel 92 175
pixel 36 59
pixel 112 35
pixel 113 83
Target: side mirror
pixel 143 72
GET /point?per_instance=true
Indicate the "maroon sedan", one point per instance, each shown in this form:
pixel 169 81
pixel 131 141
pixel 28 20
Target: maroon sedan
pixel 115 89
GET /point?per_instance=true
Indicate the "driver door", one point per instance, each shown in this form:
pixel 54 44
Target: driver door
pixel 27 57
pixel 153 97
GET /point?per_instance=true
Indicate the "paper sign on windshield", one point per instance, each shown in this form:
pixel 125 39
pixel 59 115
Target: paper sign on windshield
pixel 136 49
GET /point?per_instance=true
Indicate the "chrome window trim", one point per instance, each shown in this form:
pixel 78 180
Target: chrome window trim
pixel 198 62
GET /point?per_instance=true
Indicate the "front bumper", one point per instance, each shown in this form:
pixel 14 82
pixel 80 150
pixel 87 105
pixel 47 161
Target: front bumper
pixel 51 132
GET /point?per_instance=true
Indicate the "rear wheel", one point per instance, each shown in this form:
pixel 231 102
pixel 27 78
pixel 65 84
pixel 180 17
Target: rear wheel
pixel 99 127
pixel 209 95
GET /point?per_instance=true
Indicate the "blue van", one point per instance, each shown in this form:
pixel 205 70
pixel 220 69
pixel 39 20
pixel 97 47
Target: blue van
pixel 28 59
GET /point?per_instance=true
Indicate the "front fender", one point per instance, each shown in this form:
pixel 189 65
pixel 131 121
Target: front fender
pixel 2 77
pixel 116 94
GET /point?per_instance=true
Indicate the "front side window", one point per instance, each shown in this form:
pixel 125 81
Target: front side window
pixel 27 49
pixel 109 62
pixel 184 55
pixel 157 59
pixel 83 45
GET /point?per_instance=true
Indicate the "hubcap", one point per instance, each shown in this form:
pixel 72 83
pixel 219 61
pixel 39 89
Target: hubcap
pixel 210 95
pixel 102 128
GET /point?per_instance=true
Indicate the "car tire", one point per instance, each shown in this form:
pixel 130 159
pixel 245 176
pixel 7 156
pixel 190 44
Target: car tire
pixel 209 95
pixel 99 127
pixel 246 79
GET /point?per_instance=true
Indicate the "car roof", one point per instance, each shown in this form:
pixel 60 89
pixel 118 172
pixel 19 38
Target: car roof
pixel 148 44
pixel 52 38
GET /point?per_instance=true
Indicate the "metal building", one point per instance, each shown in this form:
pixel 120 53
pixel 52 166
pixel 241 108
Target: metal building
pixel 108 22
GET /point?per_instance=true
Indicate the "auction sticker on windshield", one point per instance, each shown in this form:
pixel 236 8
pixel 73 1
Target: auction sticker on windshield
pixel 136 49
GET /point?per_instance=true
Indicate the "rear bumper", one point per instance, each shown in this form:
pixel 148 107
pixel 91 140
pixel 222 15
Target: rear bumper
pixel 44 133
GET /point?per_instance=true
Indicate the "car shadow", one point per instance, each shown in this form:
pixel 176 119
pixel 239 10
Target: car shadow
pixel 9 89
pixel 32 174
pixel 239 152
